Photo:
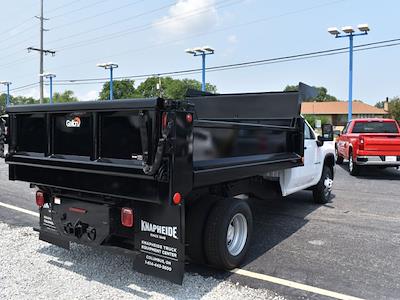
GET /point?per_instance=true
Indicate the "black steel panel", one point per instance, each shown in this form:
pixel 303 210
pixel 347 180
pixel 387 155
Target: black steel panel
pixel 88 105
pixel 31 133
pixel 212 174
pixel 233 141
pixel 73 139
pixel 277 105
pixel 120 135
pixel 140 189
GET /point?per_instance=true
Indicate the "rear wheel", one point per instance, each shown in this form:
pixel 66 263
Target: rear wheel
pixel 322 191
pixel 227 233
pixel 354 169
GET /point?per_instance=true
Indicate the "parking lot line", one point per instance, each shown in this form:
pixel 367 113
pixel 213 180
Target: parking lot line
pixel 276 280
pixel 29 212
pixel 295 285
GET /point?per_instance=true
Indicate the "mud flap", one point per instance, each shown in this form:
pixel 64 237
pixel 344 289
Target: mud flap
pixel 160 239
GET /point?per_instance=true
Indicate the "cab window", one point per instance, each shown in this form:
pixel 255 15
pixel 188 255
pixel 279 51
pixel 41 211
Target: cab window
pixel 308 134
pixel 346 128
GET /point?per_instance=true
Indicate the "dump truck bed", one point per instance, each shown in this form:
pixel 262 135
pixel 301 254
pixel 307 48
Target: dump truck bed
pixel 97 146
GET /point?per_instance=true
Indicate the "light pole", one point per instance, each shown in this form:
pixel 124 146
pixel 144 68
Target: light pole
pixel 202 51
pixel 348 32
pixel 50 76
pixel 7 83
pixel 109 66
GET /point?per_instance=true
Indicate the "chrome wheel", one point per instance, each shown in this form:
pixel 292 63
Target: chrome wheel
pixel 236 235
pixel 351 163
pixel 328 183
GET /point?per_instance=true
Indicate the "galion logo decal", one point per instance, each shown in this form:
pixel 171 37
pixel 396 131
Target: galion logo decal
pixel 74 123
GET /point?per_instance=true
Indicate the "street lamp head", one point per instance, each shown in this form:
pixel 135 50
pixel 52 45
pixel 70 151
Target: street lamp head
pixel 334 31
pixel 198 50
pixel 47 75
pixel 5 82
pixel 109 65
pixel 208 48
pixel 190 51
pixel 363 27
pixel 348 29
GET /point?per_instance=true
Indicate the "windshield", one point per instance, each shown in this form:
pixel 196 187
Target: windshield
pixel 375 127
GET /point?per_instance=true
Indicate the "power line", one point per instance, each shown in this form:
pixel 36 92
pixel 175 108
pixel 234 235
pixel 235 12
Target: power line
pixel 109 24
pixel 129 51
pixel 309 55
pixel 79 9
pixel 24 87
pixel 100 14
pixel 139 28
pixel 243 64
pixel 64 5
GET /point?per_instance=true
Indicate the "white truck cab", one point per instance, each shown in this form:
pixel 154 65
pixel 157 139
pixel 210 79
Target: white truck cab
pixel 318 170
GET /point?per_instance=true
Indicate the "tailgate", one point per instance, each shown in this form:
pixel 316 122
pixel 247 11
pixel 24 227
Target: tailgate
pixel 94 147
pixel 383 144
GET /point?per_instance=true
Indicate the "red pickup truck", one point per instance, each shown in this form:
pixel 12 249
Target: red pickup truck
pixel 369 142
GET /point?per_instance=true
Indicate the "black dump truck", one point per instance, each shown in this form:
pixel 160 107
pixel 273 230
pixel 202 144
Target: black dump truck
pixel 156 179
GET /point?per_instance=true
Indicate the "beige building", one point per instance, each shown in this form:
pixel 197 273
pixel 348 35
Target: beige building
pixel 336 111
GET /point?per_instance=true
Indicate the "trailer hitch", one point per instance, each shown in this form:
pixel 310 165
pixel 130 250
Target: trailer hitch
pixel 79 229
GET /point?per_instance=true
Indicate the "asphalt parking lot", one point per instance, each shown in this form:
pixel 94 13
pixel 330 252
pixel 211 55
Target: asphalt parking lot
pixel 349 246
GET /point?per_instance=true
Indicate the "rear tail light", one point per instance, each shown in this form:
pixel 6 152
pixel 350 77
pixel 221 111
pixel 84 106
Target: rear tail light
pixel 164 120
pixel 40 200
pixel 189 118
pixel 127 217
pixel 362 143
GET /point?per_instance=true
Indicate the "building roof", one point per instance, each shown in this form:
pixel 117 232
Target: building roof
pixel 339 108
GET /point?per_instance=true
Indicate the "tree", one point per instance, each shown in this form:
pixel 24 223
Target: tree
pixel 66 96
pixel 170 88
pixel 122 89
pixel 394 108
pixel 380 104
pixel 312 118
pixel 322 96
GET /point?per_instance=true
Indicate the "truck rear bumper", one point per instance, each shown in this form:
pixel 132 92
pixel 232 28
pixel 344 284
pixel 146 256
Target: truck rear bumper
pixel 389 161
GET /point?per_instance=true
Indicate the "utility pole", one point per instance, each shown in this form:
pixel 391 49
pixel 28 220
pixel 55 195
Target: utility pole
pixel 41 50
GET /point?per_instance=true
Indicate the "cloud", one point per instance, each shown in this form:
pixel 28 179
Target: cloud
pixel 188 16
pixel 33 92
pixel 91 95
pixel 232 39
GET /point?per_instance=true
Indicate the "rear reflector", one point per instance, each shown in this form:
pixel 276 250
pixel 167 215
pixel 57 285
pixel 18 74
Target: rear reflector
pixel 77 210
pixel 177 198
pixel 127 217
pixel 40 198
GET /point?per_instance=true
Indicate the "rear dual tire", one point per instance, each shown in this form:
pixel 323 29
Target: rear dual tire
pixel 227 233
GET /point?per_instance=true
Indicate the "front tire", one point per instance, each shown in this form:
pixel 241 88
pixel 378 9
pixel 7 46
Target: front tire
pixel 227 233
pixel 322 191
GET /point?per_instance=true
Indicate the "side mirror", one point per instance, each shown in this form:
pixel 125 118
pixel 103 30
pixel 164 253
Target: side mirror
pixel 320 141
pixel 327 132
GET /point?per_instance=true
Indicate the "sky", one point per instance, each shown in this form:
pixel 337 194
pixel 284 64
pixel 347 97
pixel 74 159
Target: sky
pixel 149 37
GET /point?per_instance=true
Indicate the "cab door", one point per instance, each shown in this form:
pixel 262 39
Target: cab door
pixel 296 179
